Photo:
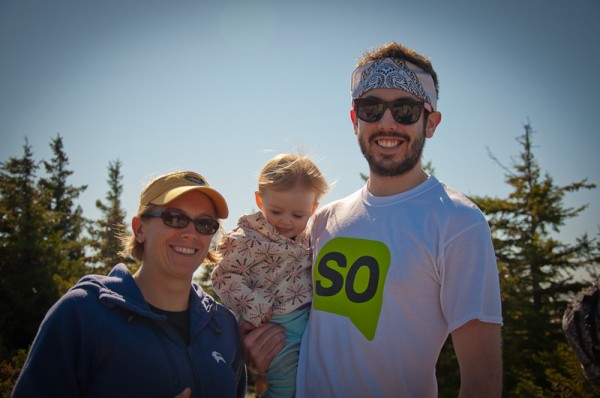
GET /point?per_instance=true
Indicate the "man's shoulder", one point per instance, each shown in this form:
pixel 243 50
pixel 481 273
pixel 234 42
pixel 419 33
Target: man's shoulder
pixel 455 210
pixel 336 205
pixel 457 200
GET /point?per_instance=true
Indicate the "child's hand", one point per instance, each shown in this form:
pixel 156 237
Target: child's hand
pixel 267 317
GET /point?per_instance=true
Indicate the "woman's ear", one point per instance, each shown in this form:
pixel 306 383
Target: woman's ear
pixel 137 226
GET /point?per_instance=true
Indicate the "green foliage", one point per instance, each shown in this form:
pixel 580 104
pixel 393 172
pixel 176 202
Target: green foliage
pixel 9 372
pixel 28 256
pixel 447 372
pixel 536 273
pixel 42 247
pixel 106 231
pixel 65 219
pixel 202 277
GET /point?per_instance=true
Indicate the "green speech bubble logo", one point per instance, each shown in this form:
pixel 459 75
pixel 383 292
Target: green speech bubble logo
pixel 349 276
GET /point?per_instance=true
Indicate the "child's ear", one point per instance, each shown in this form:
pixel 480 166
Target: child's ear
pixel 258 199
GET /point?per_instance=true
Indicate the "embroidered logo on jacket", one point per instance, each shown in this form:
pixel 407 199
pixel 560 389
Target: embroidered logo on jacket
pixel 218 357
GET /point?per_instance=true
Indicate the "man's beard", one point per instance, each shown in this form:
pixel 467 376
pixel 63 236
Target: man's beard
pixel 385 166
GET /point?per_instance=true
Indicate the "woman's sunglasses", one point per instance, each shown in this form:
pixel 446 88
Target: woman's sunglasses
pixel 403 111
pixel 178 219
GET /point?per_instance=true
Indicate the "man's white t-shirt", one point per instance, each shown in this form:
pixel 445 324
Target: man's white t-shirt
pixel 392 277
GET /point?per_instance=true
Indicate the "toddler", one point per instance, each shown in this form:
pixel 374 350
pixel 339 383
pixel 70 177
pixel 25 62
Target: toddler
pixel 265 274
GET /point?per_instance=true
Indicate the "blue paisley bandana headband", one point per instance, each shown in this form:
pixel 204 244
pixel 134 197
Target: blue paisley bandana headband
pixel 394 73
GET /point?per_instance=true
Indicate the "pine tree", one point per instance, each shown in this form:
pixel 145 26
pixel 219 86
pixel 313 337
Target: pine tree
pixel 536 270
pixel 65 218
pixel 105 232
pixel 27 256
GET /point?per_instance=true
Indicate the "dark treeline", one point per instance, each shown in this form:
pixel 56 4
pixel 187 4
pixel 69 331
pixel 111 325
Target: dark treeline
pixel 46 245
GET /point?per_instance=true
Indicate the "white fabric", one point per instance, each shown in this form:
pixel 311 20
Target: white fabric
pixel 442 273
pixel 394 73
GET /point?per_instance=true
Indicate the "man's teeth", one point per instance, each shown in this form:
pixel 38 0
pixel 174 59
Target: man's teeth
pixel 387 143
pixel 184 250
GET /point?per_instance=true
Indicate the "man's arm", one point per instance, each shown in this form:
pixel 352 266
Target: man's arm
pixel 261 344
pixel 478 349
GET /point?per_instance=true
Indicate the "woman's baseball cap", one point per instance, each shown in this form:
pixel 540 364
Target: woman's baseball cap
pixel 168 187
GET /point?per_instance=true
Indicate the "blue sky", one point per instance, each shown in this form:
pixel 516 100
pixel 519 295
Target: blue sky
pixel 222 86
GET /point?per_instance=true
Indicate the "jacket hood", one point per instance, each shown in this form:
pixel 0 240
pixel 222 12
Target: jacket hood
pixel 120 289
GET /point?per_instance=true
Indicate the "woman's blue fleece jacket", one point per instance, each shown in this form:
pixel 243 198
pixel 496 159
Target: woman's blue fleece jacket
pixel 102 340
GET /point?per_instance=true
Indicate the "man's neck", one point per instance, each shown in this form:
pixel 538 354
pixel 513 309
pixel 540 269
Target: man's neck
pixel 386 186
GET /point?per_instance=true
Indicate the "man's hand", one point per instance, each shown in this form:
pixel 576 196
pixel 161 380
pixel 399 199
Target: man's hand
pixel 261 344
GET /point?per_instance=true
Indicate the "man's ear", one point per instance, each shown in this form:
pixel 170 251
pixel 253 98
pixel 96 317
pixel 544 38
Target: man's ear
pixel 433 121
pixel 354 120
pixel 258 199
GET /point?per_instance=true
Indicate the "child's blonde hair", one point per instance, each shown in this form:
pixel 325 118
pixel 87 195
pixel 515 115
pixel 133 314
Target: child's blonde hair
pixel 287 171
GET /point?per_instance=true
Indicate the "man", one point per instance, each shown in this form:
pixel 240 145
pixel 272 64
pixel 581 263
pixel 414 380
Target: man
pixel 401 263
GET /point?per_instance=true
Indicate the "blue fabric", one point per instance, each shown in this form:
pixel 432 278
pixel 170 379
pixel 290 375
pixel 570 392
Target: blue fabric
pixel 281 376
pixel 102 340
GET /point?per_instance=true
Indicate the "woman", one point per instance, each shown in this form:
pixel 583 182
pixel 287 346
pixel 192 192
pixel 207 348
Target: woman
pixel 151 334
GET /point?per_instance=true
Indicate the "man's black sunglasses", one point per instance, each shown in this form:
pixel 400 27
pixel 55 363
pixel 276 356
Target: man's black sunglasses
pixel 178 219
pixel 403 111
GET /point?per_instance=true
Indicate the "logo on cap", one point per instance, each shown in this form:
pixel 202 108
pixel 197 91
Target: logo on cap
pixel 195 180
